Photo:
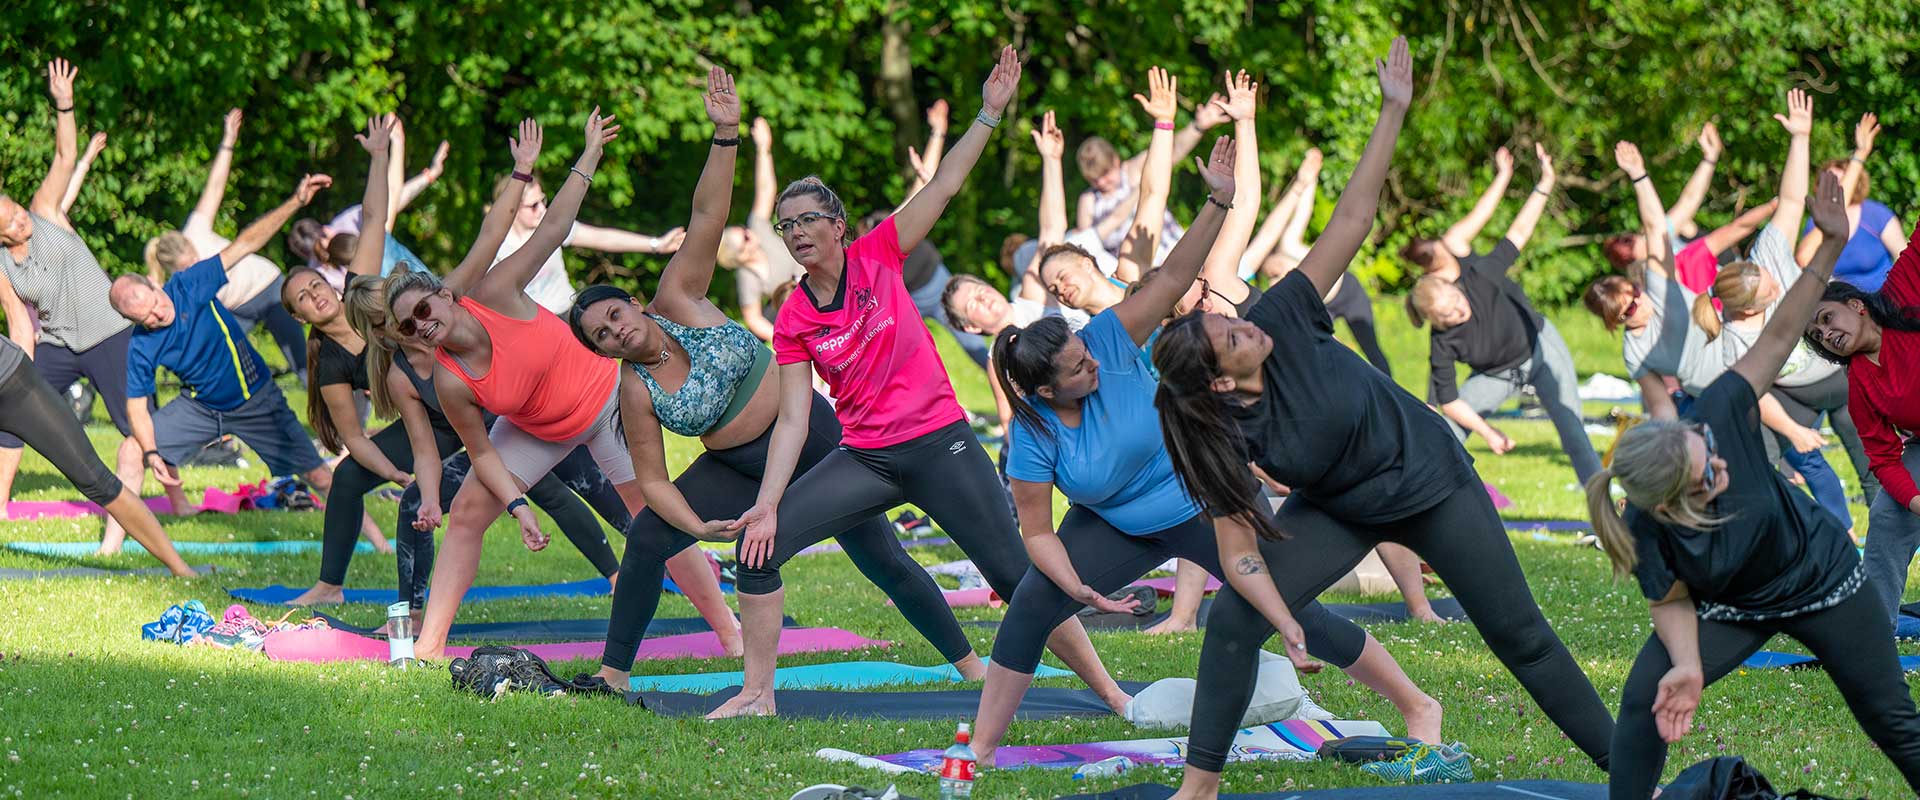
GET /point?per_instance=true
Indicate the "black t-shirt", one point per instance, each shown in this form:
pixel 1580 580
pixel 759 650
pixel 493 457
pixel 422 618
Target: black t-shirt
pixel 1338 431
pixel 1502 332
pixel 333 364
pixel 1775 554
pixel 922 260
pixel 1245 307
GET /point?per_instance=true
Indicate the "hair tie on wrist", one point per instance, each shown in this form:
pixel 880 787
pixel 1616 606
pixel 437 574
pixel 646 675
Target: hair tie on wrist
pixel 1163 125
pixel 1538 190
pixel 59 110
pixel 730 142
pixel 1639 179
pixel 1857 158
pixel 522 176
pixel 1711 160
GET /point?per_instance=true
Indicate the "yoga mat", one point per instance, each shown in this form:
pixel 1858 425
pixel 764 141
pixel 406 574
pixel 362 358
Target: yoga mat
pixel 1911 610
pixel 270 547
pixel 839 675
pixel 1499 500
pixel 667 584
pixel 546 630
pixel 1165 585
pixel 1905 627
pixel 1504 790
pixel 1768 659
pixel 968 598
pixel 1446 607
pixel 957 704
pixel 1561 525
pixel 331 645
pixel 1290 740
pixel 281 594
pixel 90 572
pixel 60 509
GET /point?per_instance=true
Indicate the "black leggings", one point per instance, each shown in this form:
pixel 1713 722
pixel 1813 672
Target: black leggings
pixel 1854 642
pixel 723 484
pixel 346 503
pixel 1108 559
pixel 1463 539
pixel 45 422
pixel 1805 404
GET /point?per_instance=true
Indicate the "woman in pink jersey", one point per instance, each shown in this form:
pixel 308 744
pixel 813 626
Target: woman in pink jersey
pixel 905 438
pixel 500 351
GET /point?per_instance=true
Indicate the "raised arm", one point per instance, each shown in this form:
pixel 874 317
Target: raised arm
pixel 1653 214
pixel 417 184
pixel 499 219
pixel 1459 238
pixel 506 283
pixel 215 191
pixel 396 181
pixel 615 240
pixel 1222 269
pixel 1156 176
pixel 916 218
pixel 690 271
pixel 766 186
pixel 1279 219
pixel 1864 133
pixel 255 236
pixel 1353 216
pixel 377 203
pixel 1761 363
pixel 80 170
pixel 66 144
pixel 1695 192
pixel 1741 227
pixel 1053 194
pixel 1793 181
pixel 1142 311
pixel 927 161
pixel 1523 223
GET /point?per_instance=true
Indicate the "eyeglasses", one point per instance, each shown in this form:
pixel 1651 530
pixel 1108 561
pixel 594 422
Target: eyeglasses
pixel 421 311
pixel 1633 306
pixel 1708 475
pixel 1206 288
pixel 806 218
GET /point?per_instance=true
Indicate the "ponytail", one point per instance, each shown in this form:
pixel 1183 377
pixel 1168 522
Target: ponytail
pixel 365 306
pixel 1612 531
pixel 318 415
pixel 1737 287
pixel 1022 361
pixel 1203 444
pixel 1706 316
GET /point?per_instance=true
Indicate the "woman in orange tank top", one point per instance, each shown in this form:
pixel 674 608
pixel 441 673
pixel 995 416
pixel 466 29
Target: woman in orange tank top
pixel 499 351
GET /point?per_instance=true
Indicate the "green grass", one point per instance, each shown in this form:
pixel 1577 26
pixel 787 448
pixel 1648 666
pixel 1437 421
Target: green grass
pixel 87 709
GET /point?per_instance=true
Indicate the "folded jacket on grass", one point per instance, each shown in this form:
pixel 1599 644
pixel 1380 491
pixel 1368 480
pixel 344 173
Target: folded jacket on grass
pixel 1503 790
pixel 271 547
pixel 1291 740
pixel 957 704
pixel 334 645
pixel 9 574
pixel 1768 659
pixel 546 630
pixel 839 675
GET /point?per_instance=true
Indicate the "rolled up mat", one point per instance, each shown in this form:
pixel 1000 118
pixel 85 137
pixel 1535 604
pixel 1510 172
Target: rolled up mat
pixel 91 572
pixel 281 594
pixel 840 675
pixel 271 547
pixel 1504 790
pixel 1768 659
pixel 1290 740
pixel 958 704
pixel 332 645
pixel 62 509
pixel 546 630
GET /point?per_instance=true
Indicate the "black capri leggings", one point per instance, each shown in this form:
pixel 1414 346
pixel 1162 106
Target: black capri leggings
pixel 346 503
pixel 45 422
pixel 1108 559
pixel 1463 539
pixel 1854 642
pixel 723 484
pixel 1805 404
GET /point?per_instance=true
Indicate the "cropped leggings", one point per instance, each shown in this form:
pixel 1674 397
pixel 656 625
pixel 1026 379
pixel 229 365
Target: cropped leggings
pixel 1854 642
pixel 30 410
pixel 1108 559
pixel 723 484
pixel 555 494
pixel 1463 539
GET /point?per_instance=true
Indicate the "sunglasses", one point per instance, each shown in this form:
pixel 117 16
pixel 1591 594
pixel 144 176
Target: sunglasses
pixel 1206 288
pixel 807 218
pixel 421 311
pixel 1633 306
pixel 1708 475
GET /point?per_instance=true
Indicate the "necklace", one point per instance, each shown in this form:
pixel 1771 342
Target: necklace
pixel 665 356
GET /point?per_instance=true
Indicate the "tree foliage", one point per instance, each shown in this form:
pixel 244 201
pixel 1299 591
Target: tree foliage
pixel 1576 76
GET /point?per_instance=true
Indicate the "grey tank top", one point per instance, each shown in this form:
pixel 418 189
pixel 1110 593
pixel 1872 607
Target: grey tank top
pixel 428 395
pixel 720 361
pixel 64 281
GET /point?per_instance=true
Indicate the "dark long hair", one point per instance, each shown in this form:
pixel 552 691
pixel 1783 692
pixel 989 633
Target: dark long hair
pixel 319 417
pixel 588 298
pixel 1204 444
pixel 1023 362
pixel 1885 313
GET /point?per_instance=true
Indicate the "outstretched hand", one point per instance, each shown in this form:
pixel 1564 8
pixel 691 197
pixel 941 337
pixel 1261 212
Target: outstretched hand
pixel 1864 133
pixel 95 145
pixel 438 166
pixel 1627 155
pixel 310 185
pixel 1829 206
pixel 1210 113
pixel 937 117
pixel 1710 146
pixel 1162 99
pixel 923 167
pixel 1002 82
pixel 600 131
pixel 723 106
pixel 1093 599
pixel 1799 117
pixel 762 134
pixel 1503 161
pixel 1547 174
pixel 526 148
pixel 1218 169
pixel 230 127
pixel 379 135
pixel 1396 75
pixel 1242 92
pixel 1048 139
pixel 60 75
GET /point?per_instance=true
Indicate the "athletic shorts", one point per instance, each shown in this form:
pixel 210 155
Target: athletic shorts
pixel 530 457
pixel 264 422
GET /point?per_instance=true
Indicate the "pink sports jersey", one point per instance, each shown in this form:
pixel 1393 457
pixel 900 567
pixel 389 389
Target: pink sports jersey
pixel 869 345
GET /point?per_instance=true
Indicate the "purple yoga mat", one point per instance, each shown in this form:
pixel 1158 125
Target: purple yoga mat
pixel 61 509
pixel 1164 586
pixel 328 644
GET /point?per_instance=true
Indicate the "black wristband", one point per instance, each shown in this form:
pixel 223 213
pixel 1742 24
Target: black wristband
pixel 1538 190
pixel 1226 206
pixel 59 110
pixel 728 142
pixel 149 454
pixel 517 502
pixel 1639 179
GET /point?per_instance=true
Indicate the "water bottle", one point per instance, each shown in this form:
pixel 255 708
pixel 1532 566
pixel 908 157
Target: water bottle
pixel 1104 768
pixel 956 767
pixel 400 634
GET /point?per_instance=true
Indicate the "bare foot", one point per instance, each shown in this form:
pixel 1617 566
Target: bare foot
pixel 386 628
pixel 745 705
pixel 1425 614
pixel 1118 701
pixel 1423 721
pixel 971 668
pixel 983 759
pixel 615 678
pixel 1173 625
pixel 731 642
pixel 322 594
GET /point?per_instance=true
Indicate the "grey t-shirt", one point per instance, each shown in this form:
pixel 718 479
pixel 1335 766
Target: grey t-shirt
pixel 1772 253
pixel 1671 344
pixel 61 277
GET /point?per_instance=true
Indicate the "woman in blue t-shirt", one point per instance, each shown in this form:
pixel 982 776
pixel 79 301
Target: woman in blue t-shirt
pixel 1083 411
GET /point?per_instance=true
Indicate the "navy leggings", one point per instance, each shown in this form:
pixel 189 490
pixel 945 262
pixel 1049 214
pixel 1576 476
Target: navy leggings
pixel 723 484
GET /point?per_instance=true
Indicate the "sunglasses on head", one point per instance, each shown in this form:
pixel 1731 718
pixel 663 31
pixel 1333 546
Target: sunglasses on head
pixel 1708 475
pixel 411 324
pixel 806 218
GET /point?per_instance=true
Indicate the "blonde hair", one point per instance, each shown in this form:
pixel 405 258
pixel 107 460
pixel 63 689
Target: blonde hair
pixel 166 250
pixel 1426 292
pixel 365 304
pixel 1096 157
pixel 1651 463
pixel 1737 287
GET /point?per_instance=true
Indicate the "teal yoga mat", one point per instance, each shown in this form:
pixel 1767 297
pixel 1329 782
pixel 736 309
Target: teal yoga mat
pixel 1767 659
pixel 281 594
pixel 841 675
pixel 272 547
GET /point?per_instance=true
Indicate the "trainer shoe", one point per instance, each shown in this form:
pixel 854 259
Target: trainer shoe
pixel 1426 763
pixel 834 791
pixel 480 677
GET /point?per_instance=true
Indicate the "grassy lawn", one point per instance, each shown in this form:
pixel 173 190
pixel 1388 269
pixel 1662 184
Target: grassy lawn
pixel 154 719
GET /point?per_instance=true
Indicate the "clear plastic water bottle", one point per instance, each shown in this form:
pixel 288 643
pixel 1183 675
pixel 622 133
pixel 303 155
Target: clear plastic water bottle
pixel 1104 768
pixel 400 634
pixel 956 767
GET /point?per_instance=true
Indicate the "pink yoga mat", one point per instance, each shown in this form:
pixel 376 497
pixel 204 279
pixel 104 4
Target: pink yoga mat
pixel 39 509
pixel 969 598
pixel 1499 500
pixel 1165 585
pixel 336 645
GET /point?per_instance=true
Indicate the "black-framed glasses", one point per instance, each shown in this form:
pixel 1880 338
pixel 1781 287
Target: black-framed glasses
pixel 421 311
pixel 1708 475
pixel 805 218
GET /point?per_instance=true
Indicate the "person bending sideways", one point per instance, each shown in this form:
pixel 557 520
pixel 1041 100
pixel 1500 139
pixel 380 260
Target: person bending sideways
pixel 329 248
pixel 1878 234
pixel 1677 226
pixel 183 327
pixel 1728 554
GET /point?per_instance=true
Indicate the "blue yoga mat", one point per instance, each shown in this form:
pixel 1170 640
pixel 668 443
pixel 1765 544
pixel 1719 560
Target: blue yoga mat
pixel 841 675
pixel 1767 659
pixel 726 587
pixel 275 547
pixel 1906 627
pixel 280 594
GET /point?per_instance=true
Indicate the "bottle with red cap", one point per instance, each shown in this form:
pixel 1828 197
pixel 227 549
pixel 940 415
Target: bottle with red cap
pixel 956 767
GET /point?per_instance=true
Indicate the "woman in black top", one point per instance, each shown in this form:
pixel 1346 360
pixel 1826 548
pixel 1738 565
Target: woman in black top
pixel 1483 319
pixel 1367 463
pixel 1728 553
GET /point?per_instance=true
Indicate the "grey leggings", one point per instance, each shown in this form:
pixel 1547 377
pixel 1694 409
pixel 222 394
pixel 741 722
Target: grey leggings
pixel 1893 531
pixel 1550 373
pixel 1108 559
pixel 1463 539
pixel 1854 643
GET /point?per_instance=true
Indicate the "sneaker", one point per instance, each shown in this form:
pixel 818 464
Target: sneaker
pixel 834 791
pixel 911 523
pixel 479 677
pixel 524 671
pixel 1426 763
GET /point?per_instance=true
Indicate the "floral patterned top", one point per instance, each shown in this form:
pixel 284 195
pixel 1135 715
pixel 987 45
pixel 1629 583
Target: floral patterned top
pixel 721 359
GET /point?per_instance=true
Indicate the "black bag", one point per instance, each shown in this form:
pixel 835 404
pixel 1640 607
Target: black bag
pixel 1723 778
pixel 1365 749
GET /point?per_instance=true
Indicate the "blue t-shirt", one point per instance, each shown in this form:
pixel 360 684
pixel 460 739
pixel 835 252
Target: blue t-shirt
pixel 205 345
pixel 1115 462
pixel 1865 262
pixel 393 253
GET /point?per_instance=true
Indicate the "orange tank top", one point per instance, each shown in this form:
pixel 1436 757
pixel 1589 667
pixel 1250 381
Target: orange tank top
pixel 547 383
